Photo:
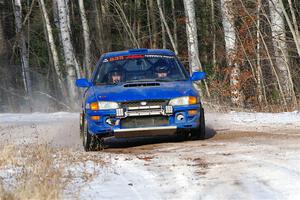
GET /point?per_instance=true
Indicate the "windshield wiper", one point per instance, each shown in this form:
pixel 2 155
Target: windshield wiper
pixel 163 80
pixel 180 79
pixel 99 83
pixel 117 83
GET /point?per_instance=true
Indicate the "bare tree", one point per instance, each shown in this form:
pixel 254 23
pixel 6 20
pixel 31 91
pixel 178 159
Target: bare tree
pixel 192 40
pixel 87 40
pixel 292 23
pixel 125 23
pixel 213 21
pixel 107 24
pixel 228 20
pixel 174 23
pixel 153 24
pixel 281 50
pixel 52 46
pixel 259 79
pixel 23 48
pixel 99 27
pixel 162 17
pixel 4 81
pixel 72 67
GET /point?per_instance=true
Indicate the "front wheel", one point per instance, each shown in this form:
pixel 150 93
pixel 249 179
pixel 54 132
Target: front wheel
pixel 91 142
pixel 199 133
pixel 81 125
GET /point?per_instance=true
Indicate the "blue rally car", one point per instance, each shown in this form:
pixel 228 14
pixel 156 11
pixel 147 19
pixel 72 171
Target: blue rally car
pixel 137 93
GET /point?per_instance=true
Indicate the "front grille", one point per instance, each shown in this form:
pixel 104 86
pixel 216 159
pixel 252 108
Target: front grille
pixel 147 121
pixel 148 103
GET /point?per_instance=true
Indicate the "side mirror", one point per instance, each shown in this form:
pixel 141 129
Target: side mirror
pixel 197 76
pixel 83 82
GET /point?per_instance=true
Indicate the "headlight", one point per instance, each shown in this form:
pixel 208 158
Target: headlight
pixel 182 101
pixel 102 105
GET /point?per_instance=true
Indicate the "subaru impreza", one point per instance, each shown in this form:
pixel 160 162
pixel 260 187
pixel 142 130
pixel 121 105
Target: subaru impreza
pixel 138 93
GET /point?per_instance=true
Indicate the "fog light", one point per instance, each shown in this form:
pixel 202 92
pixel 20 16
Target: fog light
pixel 193 112
pixel 180 117
pixel 169 109
pixel 110 121
pixel 95 118
pixel 119 112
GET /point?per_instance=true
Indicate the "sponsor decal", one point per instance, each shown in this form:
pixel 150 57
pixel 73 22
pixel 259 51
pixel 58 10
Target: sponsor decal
pixel 158 56
pixel 135 57
pixel 102 97
pixel 123 58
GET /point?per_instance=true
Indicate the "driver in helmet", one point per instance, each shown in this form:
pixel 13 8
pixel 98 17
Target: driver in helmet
pixel 115 76
pixel 162 70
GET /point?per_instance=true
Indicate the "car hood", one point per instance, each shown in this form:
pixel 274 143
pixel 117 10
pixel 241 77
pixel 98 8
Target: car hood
pixel 145 91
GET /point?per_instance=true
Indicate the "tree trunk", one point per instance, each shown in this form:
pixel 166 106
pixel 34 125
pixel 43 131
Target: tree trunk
pixel 192 40
pixel 106 24
pixel 281 51
pixel 292 23
pixel 138 21
pixel 72 67
pixel 99 27
pixel 149 45
pixel 87 41
pixel 174 23
pixel 5 100
pixel 163 35
pixel 258 62
pixel 231 52
pixel 153 24
pixel 53 49
pixel 213 21
pixel 162 17
pixel 3 44
pixel 23 49
pixel 125 23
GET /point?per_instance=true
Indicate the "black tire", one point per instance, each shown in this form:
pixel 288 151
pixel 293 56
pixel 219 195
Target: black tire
pixel 91 142
pixel 81 125
pixel 199 133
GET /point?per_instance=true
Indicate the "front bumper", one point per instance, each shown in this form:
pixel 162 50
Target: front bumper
pixel 174 125
pixel 146 131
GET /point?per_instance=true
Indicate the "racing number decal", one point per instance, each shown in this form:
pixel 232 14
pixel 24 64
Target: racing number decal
pixel 123 58
pixel 116 58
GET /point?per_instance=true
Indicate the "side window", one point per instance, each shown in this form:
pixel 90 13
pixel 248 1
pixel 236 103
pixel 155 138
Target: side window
pixel 103 70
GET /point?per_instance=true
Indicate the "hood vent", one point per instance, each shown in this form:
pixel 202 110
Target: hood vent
pixel 141 84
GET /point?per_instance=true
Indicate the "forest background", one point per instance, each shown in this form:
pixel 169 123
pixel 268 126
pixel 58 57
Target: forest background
pixel 250 49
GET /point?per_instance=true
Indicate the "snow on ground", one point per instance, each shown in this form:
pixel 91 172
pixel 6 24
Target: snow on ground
pixel 247 156
pixel 36 117
pixel 255 121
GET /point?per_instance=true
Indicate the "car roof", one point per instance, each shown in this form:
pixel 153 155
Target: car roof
pixel 143 51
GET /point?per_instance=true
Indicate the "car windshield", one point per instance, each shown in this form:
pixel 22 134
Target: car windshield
pixel 139 68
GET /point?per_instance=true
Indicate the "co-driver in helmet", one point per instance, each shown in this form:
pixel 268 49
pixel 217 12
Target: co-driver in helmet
pixel 162 69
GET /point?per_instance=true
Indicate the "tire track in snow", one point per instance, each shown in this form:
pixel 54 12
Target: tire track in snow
pixel 127 179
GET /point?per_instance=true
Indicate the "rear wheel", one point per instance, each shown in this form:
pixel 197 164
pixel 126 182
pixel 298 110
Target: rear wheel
pixel 199 133
pixel 91 142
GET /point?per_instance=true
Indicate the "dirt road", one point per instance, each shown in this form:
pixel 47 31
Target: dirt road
pixel 241 159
